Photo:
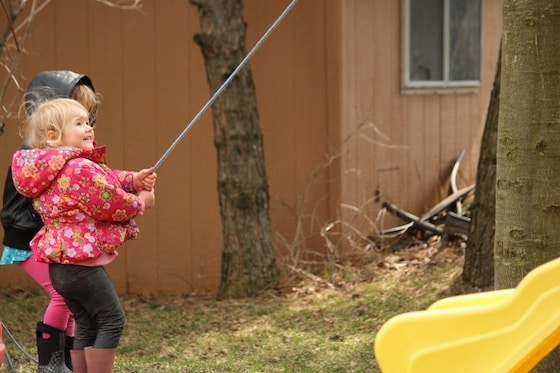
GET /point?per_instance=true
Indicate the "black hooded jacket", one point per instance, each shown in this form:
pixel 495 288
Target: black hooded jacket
pixel 19 220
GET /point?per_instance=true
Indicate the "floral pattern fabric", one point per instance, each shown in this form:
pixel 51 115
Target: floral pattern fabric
pixel 86 207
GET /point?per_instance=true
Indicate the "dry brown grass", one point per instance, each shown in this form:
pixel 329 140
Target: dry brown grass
pixel 308 324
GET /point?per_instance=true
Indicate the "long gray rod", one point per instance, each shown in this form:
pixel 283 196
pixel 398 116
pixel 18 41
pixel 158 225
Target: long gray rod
pixel 225 84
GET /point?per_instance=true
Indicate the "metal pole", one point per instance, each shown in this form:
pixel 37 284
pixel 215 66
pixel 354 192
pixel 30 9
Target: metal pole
pixel 225 84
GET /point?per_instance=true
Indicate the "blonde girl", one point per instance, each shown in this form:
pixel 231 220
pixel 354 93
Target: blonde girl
pixel 88 211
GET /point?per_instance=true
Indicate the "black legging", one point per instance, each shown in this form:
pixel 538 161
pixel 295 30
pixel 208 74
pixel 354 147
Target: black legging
pixel 92 298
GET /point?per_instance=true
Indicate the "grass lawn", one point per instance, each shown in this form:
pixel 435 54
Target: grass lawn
pixel 305 326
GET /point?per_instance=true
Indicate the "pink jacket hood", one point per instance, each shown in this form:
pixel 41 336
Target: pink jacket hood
pixel 37 168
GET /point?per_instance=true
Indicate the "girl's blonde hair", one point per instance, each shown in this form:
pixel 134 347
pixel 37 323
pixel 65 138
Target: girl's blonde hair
pixel 51 115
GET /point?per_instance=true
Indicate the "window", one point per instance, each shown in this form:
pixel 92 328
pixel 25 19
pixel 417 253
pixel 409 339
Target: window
pixel 441 46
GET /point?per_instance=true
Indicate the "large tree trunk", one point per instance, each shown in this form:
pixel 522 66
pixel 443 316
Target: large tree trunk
pixel 528 152
pixel 248 263
pixel 478 269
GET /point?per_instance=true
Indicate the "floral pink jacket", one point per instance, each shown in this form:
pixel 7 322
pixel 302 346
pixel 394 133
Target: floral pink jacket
pixel 87 208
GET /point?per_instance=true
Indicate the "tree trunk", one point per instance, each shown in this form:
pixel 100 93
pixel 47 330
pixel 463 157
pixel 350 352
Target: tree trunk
pixel 248 263
pixel 478 269
pixel 528 152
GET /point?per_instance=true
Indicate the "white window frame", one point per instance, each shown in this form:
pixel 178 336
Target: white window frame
pixel 444 86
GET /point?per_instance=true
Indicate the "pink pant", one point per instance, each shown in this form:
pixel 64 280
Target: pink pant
pixel 57 313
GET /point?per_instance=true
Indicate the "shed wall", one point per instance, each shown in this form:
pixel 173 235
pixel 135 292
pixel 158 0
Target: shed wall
pixel 404 146
pixel 329 67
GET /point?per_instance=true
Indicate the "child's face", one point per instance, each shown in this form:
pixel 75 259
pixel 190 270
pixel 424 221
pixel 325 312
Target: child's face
pixel 77 132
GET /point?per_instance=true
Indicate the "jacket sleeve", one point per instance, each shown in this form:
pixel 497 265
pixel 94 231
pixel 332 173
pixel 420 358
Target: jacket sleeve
pixel 127 180
pixel 98 193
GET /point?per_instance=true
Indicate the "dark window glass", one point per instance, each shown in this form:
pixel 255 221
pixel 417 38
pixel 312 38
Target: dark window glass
pixel 464 40
pixel 426 40
pixel 444 40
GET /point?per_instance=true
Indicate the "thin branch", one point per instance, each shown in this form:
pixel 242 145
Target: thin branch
pixel 122 4
pixel 310 276
pixel 32 14
pixel 13 58
pixel 12 45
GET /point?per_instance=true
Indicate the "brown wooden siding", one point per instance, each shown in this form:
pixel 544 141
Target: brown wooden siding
pixel 424 133
pixel 330 66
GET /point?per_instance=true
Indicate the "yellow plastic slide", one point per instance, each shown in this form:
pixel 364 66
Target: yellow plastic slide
pixel 498 331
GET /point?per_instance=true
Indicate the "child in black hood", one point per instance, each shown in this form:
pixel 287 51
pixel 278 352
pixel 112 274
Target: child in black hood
pixel 21 222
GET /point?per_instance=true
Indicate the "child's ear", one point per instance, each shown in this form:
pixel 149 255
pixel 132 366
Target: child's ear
pixel 51 135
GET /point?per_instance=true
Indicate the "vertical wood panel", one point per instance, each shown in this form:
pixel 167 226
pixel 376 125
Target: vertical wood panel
pixel 140 136
pixel 307 112
pixel 334 77
pixel 294 124
pixel 72 49
pixel 105 60
pixel 173 33
pixel 366 110
pixel 348 178
pixel 191 245
pixel 453 130
pixel 391 143
pixel 276 110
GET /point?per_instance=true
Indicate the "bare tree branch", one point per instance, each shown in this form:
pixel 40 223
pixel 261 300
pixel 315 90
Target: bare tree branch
pixel 35 9
pixel 123 4
pixel 10 53
pixel 14 33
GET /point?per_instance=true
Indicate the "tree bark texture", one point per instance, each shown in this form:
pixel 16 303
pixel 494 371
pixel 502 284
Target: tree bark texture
pixel 478 269
pixel 528 150
pixel 248 263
